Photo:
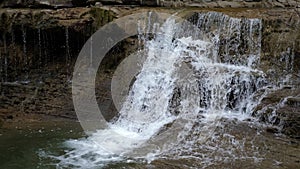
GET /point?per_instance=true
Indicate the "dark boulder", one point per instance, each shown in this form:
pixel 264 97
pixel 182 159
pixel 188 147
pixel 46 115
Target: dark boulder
pixel 79 2
pixel 131 2
pixel 110 2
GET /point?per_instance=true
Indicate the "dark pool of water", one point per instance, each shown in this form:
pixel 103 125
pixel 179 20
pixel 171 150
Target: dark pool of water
pixel 22 145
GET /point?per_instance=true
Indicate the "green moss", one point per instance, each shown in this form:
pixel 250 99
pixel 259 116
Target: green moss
pixel 101 16
pixel 4 22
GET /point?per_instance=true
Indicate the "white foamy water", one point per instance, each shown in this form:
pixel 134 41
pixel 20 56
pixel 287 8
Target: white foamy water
pixel 189 81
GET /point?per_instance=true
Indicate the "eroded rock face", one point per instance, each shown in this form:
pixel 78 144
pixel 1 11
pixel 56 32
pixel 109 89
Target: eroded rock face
pixel 32 39
pixel 38 48
pixel 281 46
pixel 162 3
pixel 281 107
pixel 39 3
pixel 230 4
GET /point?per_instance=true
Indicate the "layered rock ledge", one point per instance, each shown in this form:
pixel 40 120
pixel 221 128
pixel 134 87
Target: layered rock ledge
pixel 157 3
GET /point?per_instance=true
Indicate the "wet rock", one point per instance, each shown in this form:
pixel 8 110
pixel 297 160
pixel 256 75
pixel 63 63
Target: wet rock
pixel 281 108
pixel 79 2
pixel 164 3
pixel 227 4
pixel 248 119
pixel 131 2
pixel 38 3
pixel 293 101
pixel 10 117
pixel 54 27
pixel 111 2
pixel 272 130
pixel 1 122
pixel 34 37
pixel 150 2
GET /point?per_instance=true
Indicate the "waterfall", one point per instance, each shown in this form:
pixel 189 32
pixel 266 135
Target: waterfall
pixel 68 56
pixel 67 45
pixel 5 58
pixel 190 79
pixel 1 67
pixel 287 58
pixel 46 46
pixel 14 55
pixel 26 64
pixel 40 48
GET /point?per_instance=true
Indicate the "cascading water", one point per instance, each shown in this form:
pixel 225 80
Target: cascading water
pixel 45 46
pixel 13 43
pixel 5 58
pixel 67 48
pixel 1 67
pixel 40 48
pixel 25 51
pixel 189 81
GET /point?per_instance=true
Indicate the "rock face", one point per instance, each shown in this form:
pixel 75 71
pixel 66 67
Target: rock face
pixel 39 3
pixel 38 48
pixel 280 60
pixel 32 38
pixel 162 3
pixel 281 108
